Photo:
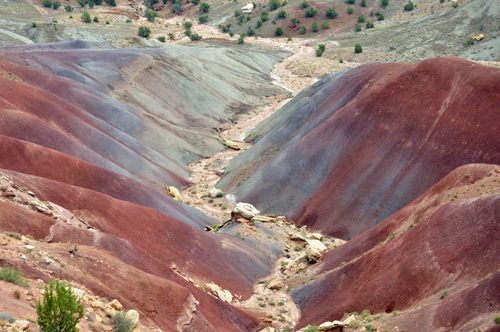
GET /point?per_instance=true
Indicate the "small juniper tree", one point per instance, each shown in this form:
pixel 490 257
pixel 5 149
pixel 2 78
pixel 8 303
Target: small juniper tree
pixel 204 7
pixel 60 310
pixel 409 6
pixel 358 48
pixel 331 13
pixel 314 26
pixel 278 31
pixel 325 25
pixel 311 12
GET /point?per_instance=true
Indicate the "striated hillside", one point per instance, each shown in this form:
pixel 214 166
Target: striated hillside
pixel 350 151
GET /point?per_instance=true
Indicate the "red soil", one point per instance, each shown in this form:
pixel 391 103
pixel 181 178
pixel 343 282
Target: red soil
pixel 454 247
pixel 380 136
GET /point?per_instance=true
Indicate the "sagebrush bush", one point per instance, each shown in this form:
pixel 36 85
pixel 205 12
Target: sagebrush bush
pixel 122 323
pixel 14 276
pixel 7 317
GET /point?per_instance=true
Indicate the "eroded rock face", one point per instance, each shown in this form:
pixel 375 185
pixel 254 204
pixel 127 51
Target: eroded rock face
pixel 276 284
pixel 246 210
pixel 263 219
pixel 328 326
pixel 222 294
pixel 231 144
pixel 174 193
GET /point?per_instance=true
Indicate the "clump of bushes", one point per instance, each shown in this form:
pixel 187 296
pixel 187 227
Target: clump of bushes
pixel 14 276
pixel 122 323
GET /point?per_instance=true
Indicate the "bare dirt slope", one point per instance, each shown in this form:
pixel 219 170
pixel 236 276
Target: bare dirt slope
pixel 351 151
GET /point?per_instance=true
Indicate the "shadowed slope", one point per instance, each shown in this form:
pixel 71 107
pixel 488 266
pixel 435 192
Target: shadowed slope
pixel 358 148
pixel 439 245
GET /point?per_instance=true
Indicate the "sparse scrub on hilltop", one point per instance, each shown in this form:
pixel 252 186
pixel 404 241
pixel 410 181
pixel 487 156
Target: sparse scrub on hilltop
pixel 60 309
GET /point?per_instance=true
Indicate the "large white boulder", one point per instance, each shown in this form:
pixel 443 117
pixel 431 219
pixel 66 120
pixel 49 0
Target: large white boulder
pixel 246 210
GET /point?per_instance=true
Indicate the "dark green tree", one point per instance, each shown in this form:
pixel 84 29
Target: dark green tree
pixel 325 25
pixel 60 310
pixel 281 14
pixel 47 3
pixel 350 10
pixel 144 31
pixel 304 4
pixel 250 31
pixel 363 3
pixel 203 19
pixel 204 7
pixel 195 2
pixel 68 8
pixel 384 3
pixel 314 26
pixel 56 4
pixel 302 29
pixel 358 48
pixel 278 31
pixel 311 12
pixel 96 19
pixel 357 28
pixel 264 16
pixel 176 8
pixel 294 21
pixel 331 13
pixel 361 18
pixel 351 2
pixel 274 4
pixel 241 40
pixel 369 25
pixel 187 24
pixel 150 15
pixel 409 6
pixel 86 17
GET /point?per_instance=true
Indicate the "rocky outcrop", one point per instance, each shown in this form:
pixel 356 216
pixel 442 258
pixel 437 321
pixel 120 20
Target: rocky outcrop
pixel 231 144
pixel 245 210
pixel 174 193
pixel 222 294
pixel 215 193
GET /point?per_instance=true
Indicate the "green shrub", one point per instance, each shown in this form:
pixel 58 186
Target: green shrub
pixel 370 328
pixel 357 28
pixel 260 299
pixel 204 7
pixel 188 25
pixel 497 320
pixel 342 264
pixel 363 3
pixel 297 248
pixel 86 17
pixel 250 32
pixel 281 304
pixel 302 29
pixel 384 3
pixel 274 4
pixel 304 4
pixel 33 25
pixel 365 313
pixel 350 10
pixel 409 6
pixel 272 303
pixel 128 20
pixel 444 294
pixel 150 15
pixel 47 3
pixel 381 17
pixel 13 276
pixel 361 18
pixel 203 19
pixel 264 16
pixel 278 31
pixel 237 13
pixel 122 323
pixel 68 8
pixel 314 26
pixel 56 5
pixel 107 22
pixel 262 305
pixel 281 14
pixel 176 8
pixel 331 13
pixel 7 317
pixel 171 36
pixel 13 235
pixel 311 12
pixel 144 31
pixel 351 2
pixel 241 40
pixel 195 2
pixel 161 39
pixel 455 5
pixel 369 25
pixel 325 25
pixel 60 310
pixel 96 19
